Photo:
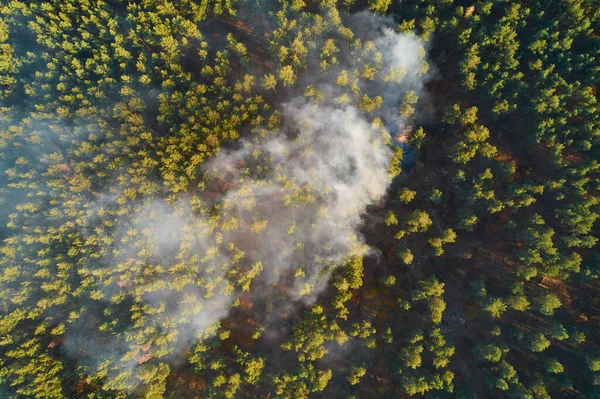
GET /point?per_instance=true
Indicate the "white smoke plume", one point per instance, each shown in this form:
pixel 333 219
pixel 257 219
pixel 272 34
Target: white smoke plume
pixel 284 209
pixel 314 190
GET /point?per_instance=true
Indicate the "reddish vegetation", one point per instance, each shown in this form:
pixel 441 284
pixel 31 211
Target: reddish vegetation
pixel 558 287
pixel 63 167
pixel 469 11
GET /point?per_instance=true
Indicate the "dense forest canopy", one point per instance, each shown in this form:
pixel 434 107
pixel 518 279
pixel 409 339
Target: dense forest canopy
pixel 294 199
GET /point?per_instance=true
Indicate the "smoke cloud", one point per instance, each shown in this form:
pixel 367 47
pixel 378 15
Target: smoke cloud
pixel 281 211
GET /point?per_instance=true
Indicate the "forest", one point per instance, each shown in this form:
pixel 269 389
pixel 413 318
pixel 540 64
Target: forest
pixel 299 199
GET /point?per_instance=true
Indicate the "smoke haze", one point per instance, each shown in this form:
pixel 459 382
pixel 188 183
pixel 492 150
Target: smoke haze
pixel 280 211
